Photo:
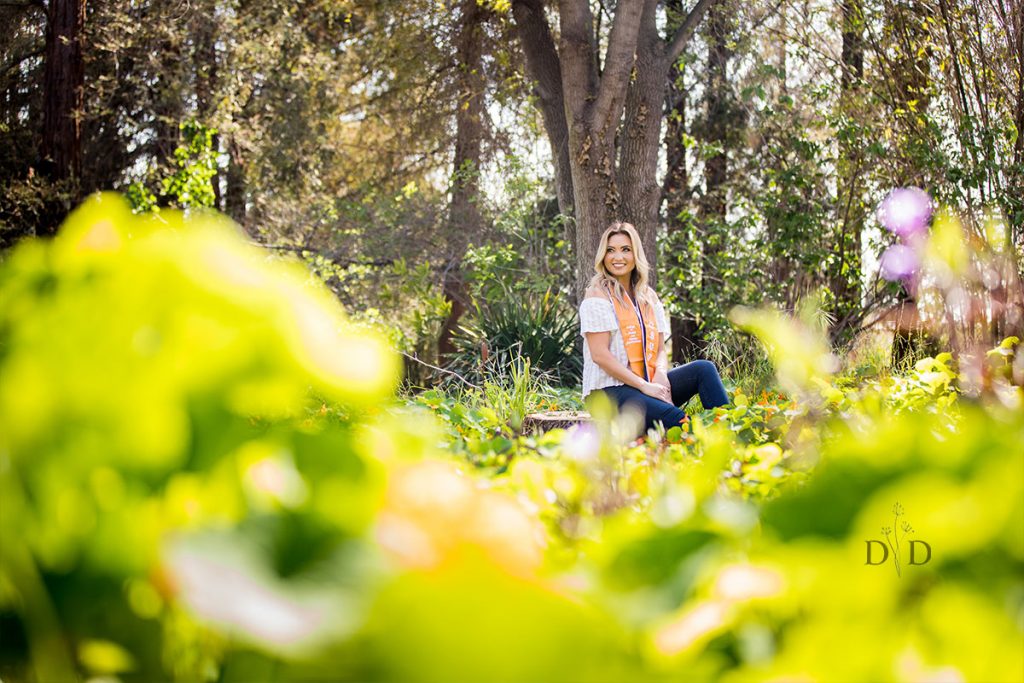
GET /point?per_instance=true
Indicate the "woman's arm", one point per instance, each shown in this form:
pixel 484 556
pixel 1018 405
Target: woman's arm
pixel 599 344
pixel 661 365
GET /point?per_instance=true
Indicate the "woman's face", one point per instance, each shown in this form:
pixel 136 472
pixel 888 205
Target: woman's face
pixel 618 259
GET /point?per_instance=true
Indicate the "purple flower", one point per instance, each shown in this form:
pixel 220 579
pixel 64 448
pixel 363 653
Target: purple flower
pixel 905 211
pixel 582 443
pixel 899 262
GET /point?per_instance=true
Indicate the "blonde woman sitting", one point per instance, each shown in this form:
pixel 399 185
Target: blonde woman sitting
pixel 625 328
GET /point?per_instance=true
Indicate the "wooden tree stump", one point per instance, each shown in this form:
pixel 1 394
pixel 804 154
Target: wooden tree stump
pixel 538 423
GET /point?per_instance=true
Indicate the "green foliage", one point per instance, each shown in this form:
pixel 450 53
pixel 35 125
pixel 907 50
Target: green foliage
pixel 533 247
pixel 190 186
pixel 518 284
pixel 31 205
pixel 196 165
pixel 173 403
pixel 204 479
pixel 516 327
pixel 412 310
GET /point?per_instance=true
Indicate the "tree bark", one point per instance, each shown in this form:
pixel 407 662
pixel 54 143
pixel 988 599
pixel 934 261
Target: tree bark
pixel 543 68
pixel 465 219
pixel 234 195
pixel 594 104
pixel 168 105
pixel 63 88
pixel 641 132
pixel 641 136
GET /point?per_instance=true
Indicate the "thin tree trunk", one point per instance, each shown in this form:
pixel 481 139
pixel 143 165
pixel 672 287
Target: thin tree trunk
pixel 465 219
pixel 205 36
pixel 168 107
pixel 542 66
pixel 910 77
pixel 544 69
pixel 685 339
pixel 713 205
pixel 846 277
pixel 234 196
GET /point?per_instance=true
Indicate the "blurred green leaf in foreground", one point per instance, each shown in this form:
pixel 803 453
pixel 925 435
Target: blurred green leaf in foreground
pixel 204 476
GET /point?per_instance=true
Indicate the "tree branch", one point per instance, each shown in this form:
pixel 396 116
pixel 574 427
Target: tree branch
pixel 444 370
pixel 686 29
pixel 542 64
pixel 544 68
pixel 576 54
pixel 333 256
pixel 618 63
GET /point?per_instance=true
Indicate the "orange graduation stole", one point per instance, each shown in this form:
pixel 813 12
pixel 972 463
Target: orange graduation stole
pixel 639 329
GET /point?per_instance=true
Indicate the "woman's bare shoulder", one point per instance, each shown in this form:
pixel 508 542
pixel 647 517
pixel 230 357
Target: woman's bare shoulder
pixel 595 293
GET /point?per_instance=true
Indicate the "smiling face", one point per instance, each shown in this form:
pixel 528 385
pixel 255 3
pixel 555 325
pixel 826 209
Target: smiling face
pixel 618 258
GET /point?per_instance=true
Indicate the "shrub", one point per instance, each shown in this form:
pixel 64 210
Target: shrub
pixel 503 330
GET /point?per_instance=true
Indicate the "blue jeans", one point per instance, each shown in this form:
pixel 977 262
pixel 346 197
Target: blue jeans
pixel 698 377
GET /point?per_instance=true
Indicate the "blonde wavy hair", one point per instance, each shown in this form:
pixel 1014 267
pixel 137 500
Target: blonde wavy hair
pixel 604 281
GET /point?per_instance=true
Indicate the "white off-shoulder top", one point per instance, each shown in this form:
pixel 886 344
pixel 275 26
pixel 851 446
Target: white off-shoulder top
pixel 597 314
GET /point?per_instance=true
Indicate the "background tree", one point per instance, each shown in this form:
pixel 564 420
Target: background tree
pixel 63 80
pixel 25 192
pixel 391 144
pixel 846 272
pixel 465 218
pixel 613 175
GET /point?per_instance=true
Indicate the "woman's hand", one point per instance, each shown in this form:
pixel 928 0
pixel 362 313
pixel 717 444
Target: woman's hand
pixel 661 377
pixel 655 390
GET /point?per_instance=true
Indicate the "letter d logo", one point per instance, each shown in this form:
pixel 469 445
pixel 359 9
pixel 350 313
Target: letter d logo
pixel 885 552
pixel 927 547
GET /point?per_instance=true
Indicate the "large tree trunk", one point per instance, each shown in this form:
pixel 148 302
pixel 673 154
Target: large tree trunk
pixel 63 86
pixel 465 219
pixel 607 180
pixel 594 103
pixel 641 136
pixel 596 194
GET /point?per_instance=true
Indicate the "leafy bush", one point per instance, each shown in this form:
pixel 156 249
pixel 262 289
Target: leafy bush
pixel 514 328
pixel 194 170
